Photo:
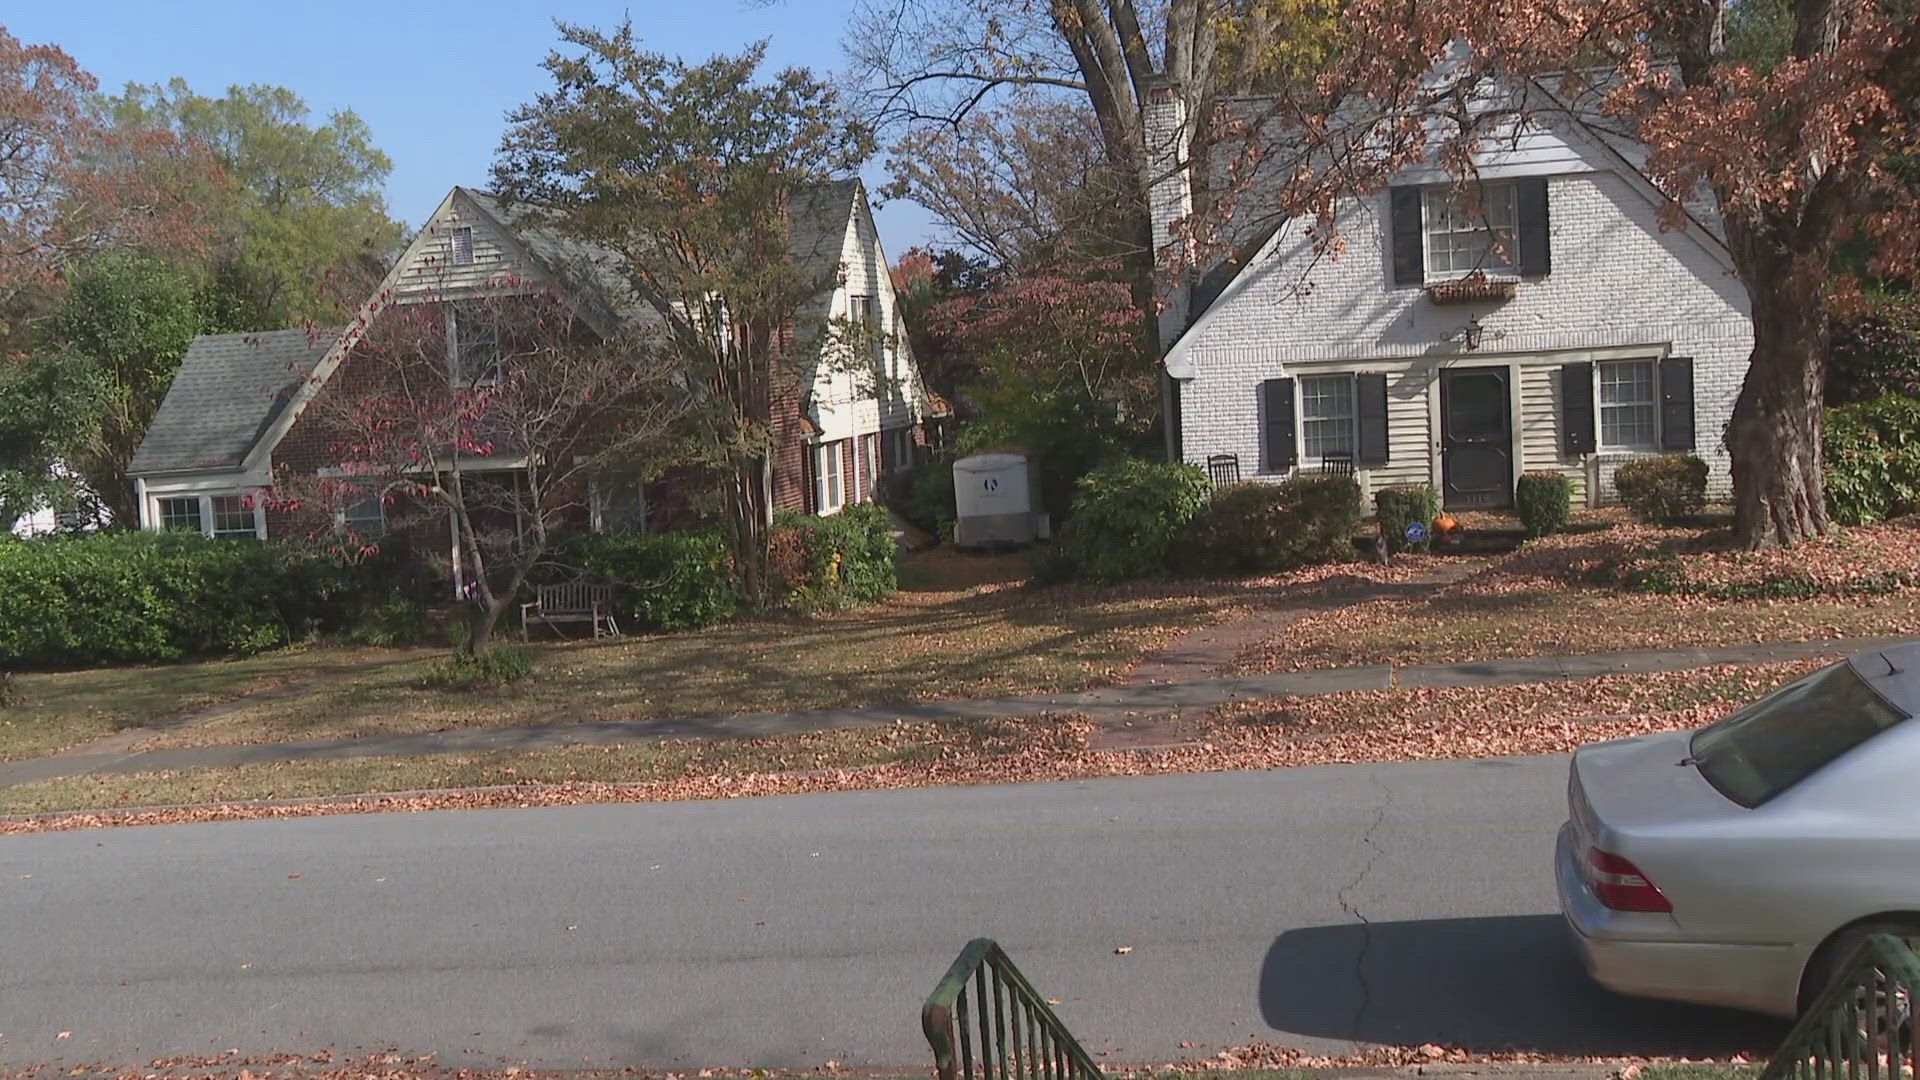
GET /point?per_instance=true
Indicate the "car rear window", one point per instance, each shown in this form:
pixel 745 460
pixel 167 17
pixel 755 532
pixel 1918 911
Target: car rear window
pixel 1790 734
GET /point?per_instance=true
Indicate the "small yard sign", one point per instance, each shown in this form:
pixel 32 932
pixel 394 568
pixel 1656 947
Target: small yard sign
pixel 1416 532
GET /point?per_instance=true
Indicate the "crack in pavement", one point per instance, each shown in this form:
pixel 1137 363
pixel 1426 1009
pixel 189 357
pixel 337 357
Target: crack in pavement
pixel 1344 898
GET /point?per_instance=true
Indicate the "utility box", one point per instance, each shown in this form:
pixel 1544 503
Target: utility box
pixel 993 498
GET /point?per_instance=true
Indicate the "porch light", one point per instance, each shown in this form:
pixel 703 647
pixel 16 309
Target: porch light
pixel 1471 334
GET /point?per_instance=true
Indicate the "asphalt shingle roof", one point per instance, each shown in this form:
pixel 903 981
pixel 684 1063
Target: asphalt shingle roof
pixel 228 389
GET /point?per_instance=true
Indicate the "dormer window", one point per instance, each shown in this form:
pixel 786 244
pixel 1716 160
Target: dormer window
pixel 463 245
pixel 1438 234
pixel 1462 238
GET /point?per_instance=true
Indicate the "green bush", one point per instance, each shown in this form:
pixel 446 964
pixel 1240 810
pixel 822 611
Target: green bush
pixel 1269 528
pixel 1544 502
pixel 499 665
pixel 1399 507
pixel 929 503
pixel 1664 489
pixel 1872 453
pixel 847 558
pixel 662 581
pixel 393 621
pixel 144 596
pixel 1127 514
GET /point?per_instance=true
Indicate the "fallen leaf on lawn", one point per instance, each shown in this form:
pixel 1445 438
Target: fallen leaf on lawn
pixel 1186 1046
pixel 1123 950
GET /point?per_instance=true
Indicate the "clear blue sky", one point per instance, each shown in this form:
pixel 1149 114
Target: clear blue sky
pixel 433 78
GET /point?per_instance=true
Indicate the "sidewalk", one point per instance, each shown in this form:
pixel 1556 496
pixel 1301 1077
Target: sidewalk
pixel 1107 705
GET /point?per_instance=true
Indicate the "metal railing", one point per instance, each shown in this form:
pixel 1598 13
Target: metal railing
pixel 1863 1025
pixel 985 1020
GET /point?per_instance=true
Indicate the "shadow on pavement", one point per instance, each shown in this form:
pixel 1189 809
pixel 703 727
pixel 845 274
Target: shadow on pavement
pixel 1485 984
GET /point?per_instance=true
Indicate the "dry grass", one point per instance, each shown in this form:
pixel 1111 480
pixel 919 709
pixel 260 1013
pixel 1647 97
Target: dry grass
pixel 1393 725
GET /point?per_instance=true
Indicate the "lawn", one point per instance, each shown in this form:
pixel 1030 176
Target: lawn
pixel 1388 725
pixel 1588 592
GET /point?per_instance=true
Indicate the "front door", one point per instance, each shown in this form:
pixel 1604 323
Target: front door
pixel 1476 439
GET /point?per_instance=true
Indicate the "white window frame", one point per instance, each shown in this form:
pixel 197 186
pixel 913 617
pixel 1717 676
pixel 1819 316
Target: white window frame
pixel 1609 440
pixel 160 513
pixel 1351 419
pixel 602 500
pixel 456 368
pixel 1446 230
pixel 203 500
pixel 822 453
pixel 460 233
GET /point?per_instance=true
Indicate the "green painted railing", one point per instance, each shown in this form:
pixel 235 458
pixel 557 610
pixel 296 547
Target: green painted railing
pixel 1863 1025
pixel 986 1021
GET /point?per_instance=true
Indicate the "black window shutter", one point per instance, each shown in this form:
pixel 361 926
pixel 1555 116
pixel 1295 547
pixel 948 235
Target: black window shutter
pixel 809 484
pixel 1576 409
pixel 1676 403
pixel 1535 257
pixel 1371 396
pixel 1409 242
pixel 1276 396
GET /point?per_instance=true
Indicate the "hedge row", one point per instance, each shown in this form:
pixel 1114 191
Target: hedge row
pixel 142 596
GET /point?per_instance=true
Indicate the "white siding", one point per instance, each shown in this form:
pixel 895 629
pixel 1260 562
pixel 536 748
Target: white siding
pixel 849 404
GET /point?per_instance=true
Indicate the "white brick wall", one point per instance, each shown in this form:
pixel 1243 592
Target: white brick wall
pixel 1619 287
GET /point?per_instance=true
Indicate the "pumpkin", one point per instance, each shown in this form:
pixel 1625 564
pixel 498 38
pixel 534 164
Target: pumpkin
pixel 1444 525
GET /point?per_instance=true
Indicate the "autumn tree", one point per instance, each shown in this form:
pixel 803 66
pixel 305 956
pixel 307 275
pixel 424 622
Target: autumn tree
pixel 933 67
pixel 71 186
pixel 686 172
pixel 533 421
pixel 305 205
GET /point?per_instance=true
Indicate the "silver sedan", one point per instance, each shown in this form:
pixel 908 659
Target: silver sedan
pixel 1737 864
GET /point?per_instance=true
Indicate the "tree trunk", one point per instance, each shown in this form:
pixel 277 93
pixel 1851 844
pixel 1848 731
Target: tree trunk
pixel 1774 436
pixel 481 624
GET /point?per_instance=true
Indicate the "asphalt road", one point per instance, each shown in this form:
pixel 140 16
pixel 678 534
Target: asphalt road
pixel 1321 907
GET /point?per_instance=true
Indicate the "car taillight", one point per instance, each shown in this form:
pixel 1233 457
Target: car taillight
pixel 1620 885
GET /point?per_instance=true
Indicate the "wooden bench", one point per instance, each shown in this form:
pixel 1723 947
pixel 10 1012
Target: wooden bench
pixel 578 602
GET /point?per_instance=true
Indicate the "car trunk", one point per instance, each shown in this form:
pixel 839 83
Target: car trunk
pixel 1641 785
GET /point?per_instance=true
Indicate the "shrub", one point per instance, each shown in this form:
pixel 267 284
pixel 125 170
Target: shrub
pixel 143 596
pixel 1399 507
pixel 662 581
pixel 1126 515
pixel 1872 452
pixel 847 558
pixel 1268 528
pixel 393 621
pixel 1544 501
pixel 1664 489
pixel 929 501
pixel 500 665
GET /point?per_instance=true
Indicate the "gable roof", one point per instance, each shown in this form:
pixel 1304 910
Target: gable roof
pixel 229 390
pixel 590 272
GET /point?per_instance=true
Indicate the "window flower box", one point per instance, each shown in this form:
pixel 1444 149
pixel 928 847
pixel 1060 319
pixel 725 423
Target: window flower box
pixel 1474 288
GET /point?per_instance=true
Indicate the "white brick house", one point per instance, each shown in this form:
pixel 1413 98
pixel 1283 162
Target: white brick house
pixel 1607 337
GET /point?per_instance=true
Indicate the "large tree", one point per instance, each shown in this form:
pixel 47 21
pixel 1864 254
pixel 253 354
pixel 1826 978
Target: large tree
pixel 934 67
pixel 687 171
pixel 306 203
pixel 71 186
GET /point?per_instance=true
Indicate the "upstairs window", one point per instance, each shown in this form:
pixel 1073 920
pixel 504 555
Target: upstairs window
pixel 1462 238
pixel 830 489
pixel 475 359
pixel 463 245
